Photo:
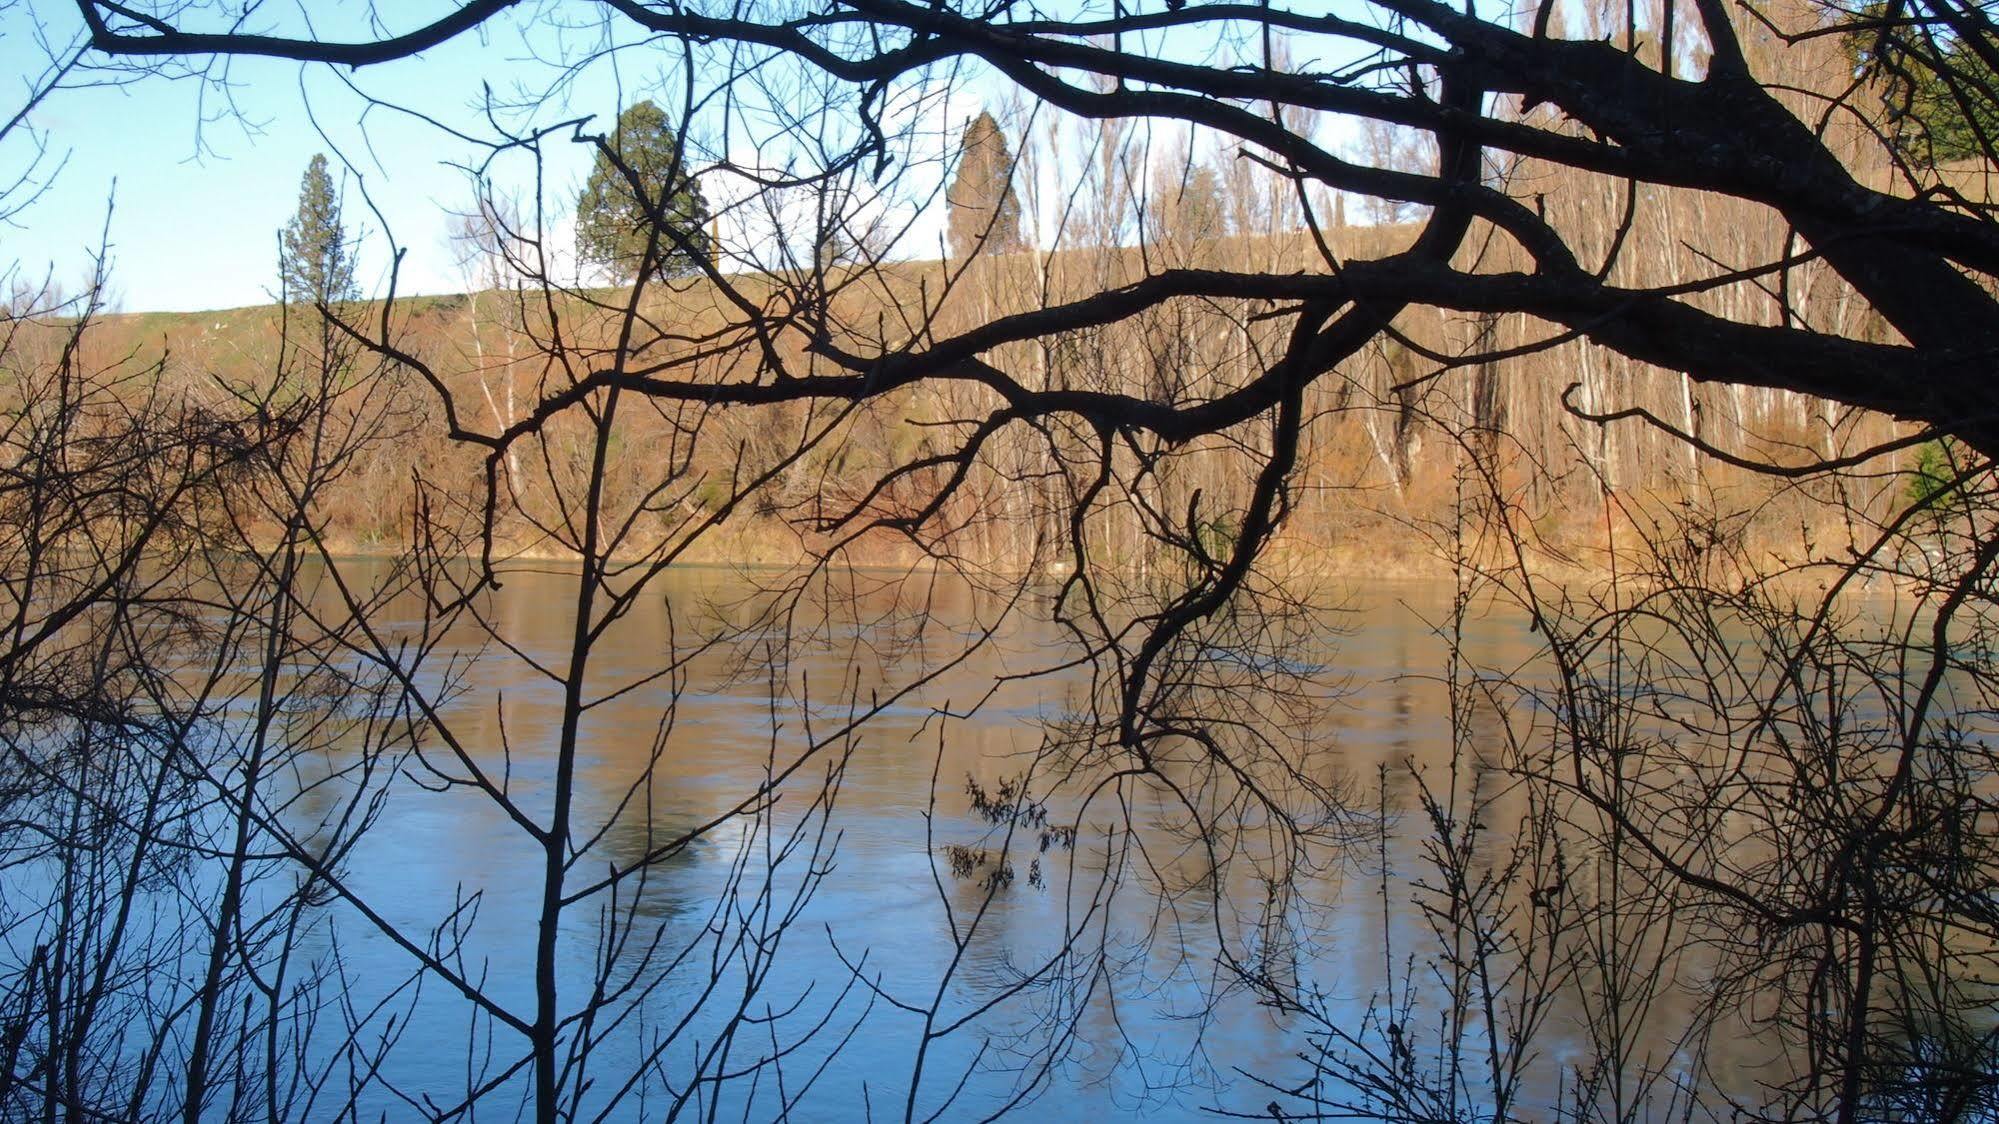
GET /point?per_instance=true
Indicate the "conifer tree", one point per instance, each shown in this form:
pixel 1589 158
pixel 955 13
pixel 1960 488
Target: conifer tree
pixel 1937 87
pixel 984 213
pixel 613 226
pixel 316 264
pixel 1191 205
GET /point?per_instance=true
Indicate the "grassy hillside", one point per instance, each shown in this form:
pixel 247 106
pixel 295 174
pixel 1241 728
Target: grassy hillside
pixel 1402 449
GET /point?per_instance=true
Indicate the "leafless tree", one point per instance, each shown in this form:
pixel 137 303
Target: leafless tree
pixel 1776 786
pixel 176 713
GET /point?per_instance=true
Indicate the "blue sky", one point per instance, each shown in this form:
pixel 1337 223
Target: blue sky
pixel 204 174
pixel 203 178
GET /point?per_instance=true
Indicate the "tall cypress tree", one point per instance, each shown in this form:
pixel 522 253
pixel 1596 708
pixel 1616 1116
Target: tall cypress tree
pixel 984 213
pixel 316 264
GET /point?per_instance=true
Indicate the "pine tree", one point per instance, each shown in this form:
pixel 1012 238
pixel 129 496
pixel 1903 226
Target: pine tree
pixel 1936 89
pixel 316 264
pixel 984 213
pixel 612 226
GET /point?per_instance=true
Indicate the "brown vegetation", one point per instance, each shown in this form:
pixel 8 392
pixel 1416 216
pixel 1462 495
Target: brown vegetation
pixel 1645 295
pixel 1378 467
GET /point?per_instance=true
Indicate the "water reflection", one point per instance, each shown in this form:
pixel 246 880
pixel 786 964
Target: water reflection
pixel 1091 975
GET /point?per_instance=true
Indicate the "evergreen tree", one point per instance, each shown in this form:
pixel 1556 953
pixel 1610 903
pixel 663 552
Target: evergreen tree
pixel 1938 90
pixel 316 263
pixel 984 213
pixel 1192 206
pixel 612 223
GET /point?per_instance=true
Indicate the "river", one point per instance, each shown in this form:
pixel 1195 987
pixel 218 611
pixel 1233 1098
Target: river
pixel 860 854
pixel 1099 959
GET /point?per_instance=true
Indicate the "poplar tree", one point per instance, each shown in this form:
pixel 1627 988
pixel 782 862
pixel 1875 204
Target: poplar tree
pixel 317 267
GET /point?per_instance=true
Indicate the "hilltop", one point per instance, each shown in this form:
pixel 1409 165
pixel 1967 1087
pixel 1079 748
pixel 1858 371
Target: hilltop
pixel 1387 473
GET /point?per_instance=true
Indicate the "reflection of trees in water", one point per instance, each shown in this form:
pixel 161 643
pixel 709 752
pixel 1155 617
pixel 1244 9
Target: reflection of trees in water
pixel 1646 847
pixel 1701 801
